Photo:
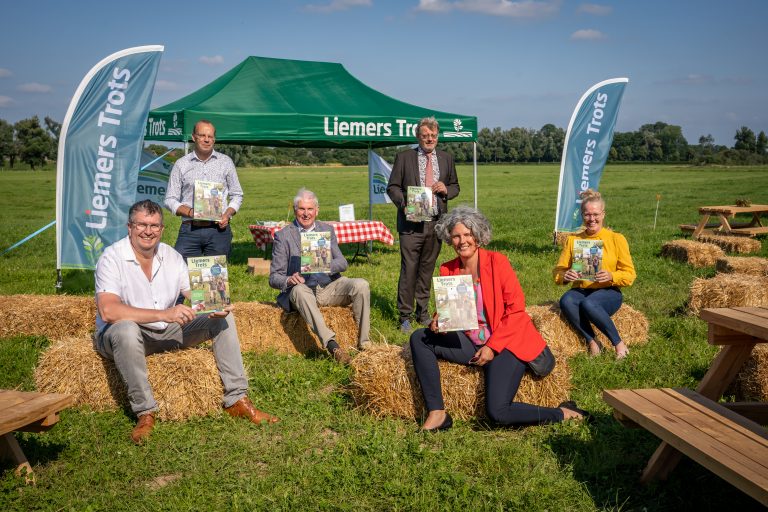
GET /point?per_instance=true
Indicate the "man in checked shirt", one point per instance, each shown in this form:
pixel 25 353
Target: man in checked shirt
pixel 203 237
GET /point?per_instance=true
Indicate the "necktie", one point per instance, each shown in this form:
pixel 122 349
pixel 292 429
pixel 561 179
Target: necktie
pixel 429 177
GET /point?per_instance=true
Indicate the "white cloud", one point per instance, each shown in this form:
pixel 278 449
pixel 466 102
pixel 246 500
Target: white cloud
pixel 338 5
pixel 166 85
pixel 211 61
pixel 595 9
pixel 507 8
pixel 5 73
pixel 587 34
pixel 5 101
pixel 35 87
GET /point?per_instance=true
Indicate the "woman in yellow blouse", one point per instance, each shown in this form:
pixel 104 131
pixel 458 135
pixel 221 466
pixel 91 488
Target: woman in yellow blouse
pixel 594 301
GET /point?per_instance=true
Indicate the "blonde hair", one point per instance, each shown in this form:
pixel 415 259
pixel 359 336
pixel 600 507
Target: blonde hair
pixel 591 196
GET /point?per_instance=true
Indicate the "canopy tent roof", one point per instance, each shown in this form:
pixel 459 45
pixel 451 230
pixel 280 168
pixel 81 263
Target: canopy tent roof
pixel 280 102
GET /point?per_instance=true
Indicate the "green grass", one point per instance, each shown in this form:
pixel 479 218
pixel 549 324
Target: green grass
pixel 325 455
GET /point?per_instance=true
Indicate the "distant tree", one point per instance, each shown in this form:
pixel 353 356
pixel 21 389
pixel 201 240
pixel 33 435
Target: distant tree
pixel 7 146
pixel 745 139
pixel 762 143
pixel 707 141
pixel 34 144
pixel 54 130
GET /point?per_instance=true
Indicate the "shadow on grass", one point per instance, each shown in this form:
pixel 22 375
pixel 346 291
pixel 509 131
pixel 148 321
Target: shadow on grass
pixel 38 449
pixel 74 281
pixel 611 459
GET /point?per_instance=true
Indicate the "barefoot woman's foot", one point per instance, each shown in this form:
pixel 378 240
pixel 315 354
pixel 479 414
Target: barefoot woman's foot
pixel 594 348
pixel 621 350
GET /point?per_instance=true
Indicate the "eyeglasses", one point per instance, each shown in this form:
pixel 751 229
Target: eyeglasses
pixel 154 228
pixel 593 215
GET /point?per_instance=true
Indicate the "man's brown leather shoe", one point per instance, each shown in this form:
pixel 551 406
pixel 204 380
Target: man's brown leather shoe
pixel 143 428
pixel 244 408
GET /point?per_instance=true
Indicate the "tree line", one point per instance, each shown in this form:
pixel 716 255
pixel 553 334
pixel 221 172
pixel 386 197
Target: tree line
pixel 29 142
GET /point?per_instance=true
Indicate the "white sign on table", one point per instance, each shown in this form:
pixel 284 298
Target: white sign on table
pixel 347 213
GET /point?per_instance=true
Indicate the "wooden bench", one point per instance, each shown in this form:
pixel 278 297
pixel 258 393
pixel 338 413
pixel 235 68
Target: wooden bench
pixel 724 442
pixel 27 412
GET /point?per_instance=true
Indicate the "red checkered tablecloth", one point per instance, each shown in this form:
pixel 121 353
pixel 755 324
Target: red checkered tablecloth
pixel 346 232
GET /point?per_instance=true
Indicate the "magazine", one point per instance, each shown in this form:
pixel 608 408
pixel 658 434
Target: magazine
pixel 316 252
pixel 210 202
pixel 455 301
pixel 209 283
pixel 587 258
pixel 419 205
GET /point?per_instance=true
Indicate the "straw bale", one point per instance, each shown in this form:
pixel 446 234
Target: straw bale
pixel 727 290
pixel 563 339
pixel 752 380
pixel 697 254
pixel 53 316
pixel 735 244
pixel 185 383
pixel 742 265
pixel 562 236
pixel 384 384
pixel 266 326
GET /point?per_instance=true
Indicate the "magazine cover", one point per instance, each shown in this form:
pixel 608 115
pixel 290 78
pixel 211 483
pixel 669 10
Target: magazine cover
pixel 419 205
pixel 209 200
pixel 587 258
pixel 316 252
pixel 209 283
pixel 455 301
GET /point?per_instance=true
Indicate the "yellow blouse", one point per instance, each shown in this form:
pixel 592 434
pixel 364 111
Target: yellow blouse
pixel 616 260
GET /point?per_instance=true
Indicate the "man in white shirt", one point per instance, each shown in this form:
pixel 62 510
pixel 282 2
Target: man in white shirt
pixel 138 279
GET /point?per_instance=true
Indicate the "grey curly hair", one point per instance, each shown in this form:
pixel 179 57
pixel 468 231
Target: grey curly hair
pixel 475 221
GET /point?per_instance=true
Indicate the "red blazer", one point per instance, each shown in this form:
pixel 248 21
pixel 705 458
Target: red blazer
pixel 504 303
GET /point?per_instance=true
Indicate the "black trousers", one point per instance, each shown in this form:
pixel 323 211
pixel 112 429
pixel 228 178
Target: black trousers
pixel 418 254
pixel 502 378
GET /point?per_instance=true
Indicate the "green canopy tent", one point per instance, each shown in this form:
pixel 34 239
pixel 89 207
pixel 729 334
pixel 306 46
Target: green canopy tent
pixel 280 102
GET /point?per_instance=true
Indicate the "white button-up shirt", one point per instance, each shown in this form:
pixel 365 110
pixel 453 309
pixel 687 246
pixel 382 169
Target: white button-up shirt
pixel 119 272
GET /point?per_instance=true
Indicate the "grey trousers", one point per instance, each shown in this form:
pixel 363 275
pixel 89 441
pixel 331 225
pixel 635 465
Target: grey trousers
pixel 128 343
pixel 341 292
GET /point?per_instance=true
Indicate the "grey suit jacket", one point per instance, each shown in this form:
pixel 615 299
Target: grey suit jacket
pixel 286 259
pixel 405 173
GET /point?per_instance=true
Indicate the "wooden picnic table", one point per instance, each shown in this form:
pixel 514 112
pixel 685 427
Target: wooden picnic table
pixel 727 227
pixel 27 411
pixel 727 438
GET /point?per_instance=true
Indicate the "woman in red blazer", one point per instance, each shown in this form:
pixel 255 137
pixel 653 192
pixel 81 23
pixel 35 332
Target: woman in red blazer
pixel 504 342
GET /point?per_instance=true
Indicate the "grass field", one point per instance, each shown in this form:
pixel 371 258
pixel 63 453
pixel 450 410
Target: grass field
pixel 325 455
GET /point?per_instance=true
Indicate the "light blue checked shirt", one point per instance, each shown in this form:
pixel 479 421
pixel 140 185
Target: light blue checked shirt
pixel 219 168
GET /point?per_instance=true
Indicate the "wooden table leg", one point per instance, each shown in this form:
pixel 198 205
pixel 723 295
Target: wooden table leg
pixel 9 448
pixel 721 373
pixel 702 224
pixel 724 224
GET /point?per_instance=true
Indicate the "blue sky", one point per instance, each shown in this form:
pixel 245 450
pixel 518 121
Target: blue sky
pixel 698 64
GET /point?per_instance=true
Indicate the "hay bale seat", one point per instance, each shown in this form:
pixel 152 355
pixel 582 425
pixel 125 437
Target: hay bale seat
pixel 265 326
pixel 727 290
pixel 384 384
pixel 742 265
pixel 261 326
pixel 563 339
pixel 734 244
pixel 752 381
pixel 52 316
pixel 185 383
pixel 697 254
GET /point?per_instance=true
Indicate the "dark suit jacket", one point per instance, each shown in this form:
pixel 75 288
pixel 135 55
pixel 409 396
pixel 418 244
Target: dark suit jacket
pixel 405 173
pixel 286 259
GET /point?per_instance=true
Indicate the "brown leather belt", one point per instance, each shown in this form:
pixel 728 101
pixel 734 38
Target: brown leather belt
pixel 202 223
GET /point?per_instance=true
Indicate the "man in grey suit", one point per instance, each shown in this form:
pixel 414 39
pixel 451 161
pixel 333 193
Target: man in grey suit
pixel 424 166
pixel 306 292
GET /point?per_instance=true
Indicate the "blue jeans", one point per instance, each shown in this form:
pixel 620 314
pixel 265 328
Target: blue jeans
pixel 203 241
pixel 502 378
pixel 583 307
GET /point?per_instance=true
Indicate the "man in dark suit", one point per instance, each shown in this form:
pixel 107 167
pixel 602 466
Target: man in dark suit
pixel 306 292
pixel 424 166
